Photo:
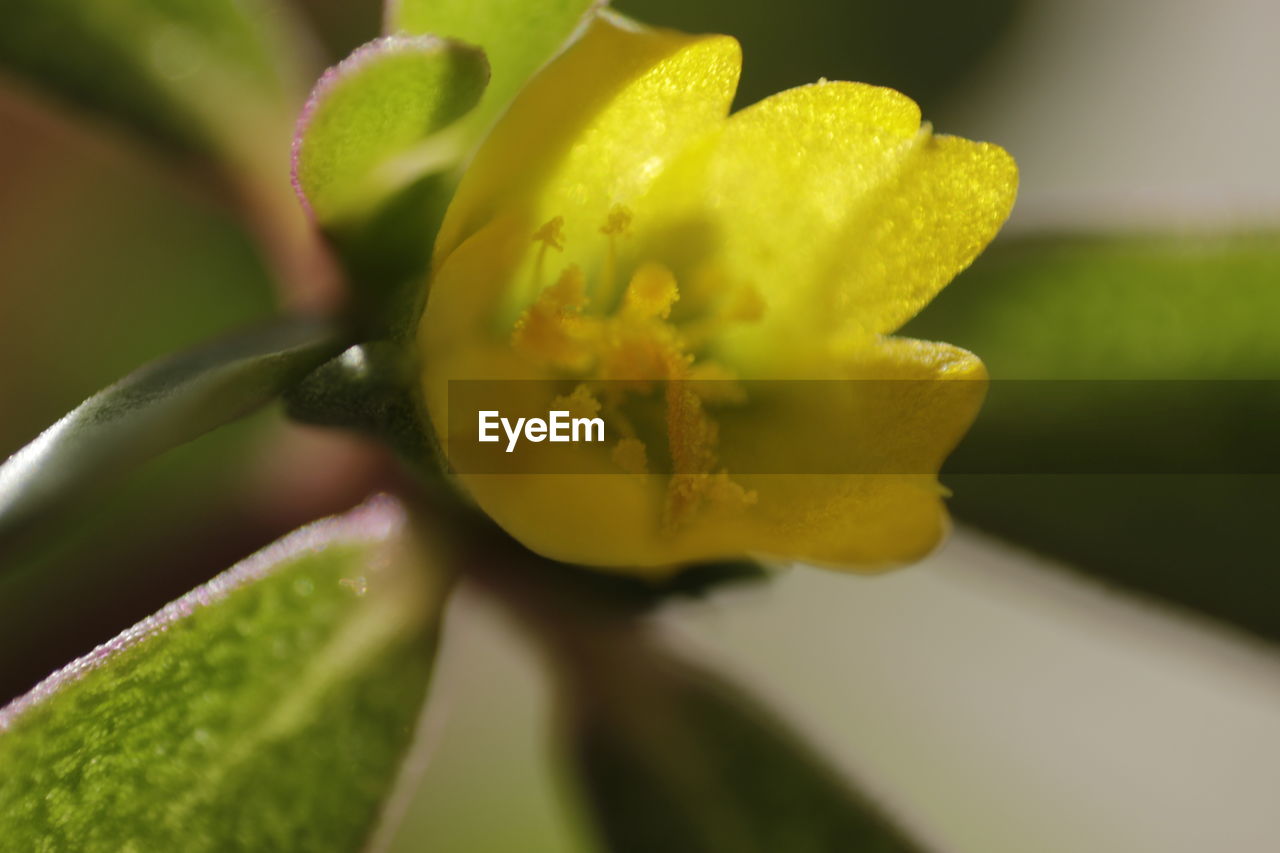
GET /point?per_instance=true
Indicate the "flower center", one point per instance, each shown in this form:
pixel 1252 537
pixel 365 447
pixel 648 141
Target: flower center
pixel 621 353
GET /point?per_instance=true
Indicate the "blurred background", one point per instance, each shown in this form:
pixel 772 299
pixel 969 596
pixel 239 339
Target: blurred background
pixel 1089 664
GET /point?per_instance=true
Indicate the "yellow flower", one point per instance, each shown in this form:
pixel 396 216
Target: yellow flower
pixel 619 225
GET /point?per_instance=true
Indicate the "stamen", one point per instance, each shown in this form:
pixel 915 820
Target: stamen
pixel 630 343
pixel 651 293
pixel 569 293
pixel 581 403
pixel 616 225
pixel 629 455
pixel 550 234
pixel 688 494
pixel 690 432
pixel 618 221
pixel 553 329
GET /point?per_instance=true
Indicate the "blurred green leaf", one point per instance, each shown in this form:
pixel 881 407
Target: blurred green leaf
pixel 1174 307
pixel 518 36
pixel 146 277
pixel 210 75
pixel 925 48
pixel 267 710
pixel 371 125
pixel 343 25
pixel 1179 514
pixel 152 410
pixel 169 266
pixel 676 759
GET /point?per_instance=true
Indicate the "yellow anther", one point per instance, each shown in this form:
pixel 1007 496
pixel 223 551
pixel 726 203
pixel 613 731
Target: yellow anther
pixel 615 225
pixel 549 235
pixel 581 403
pixel 629 455
pixel 691 494
pixel 632 345
pixel 553 329
pixel 569 293
pixel 652 292
pixel 637 355
pixel 618 221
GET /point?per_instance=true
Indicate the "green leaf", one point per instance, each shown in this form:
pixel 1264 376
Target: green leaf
pixel 374 160
pixel 518 36
pixel 210 75
pixel 675 759
pixel 152 410
pixel 371 125
pixel 1176 307
pixel 267 710
pixel 1162 476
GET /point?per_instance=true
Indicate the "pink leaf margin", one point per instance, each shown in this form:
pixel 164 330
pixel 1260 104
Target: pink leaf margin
pixel 376 520
pixel 359 59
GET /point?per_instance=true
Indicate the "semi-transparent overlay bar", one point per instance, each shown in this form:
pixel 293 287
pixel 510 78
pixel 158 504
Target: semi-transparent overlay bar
pixel 864 426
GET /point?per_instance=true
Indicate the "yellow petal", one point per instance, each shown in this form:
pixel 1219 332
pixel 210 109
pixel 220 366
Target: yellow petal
pixel 837 207
pixel 884 435
pixel 593 130
pixel 921 230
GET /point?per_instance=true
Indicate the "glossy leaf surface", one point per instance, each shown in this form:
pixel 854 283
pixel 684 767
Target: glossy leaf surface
pixel 152 410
